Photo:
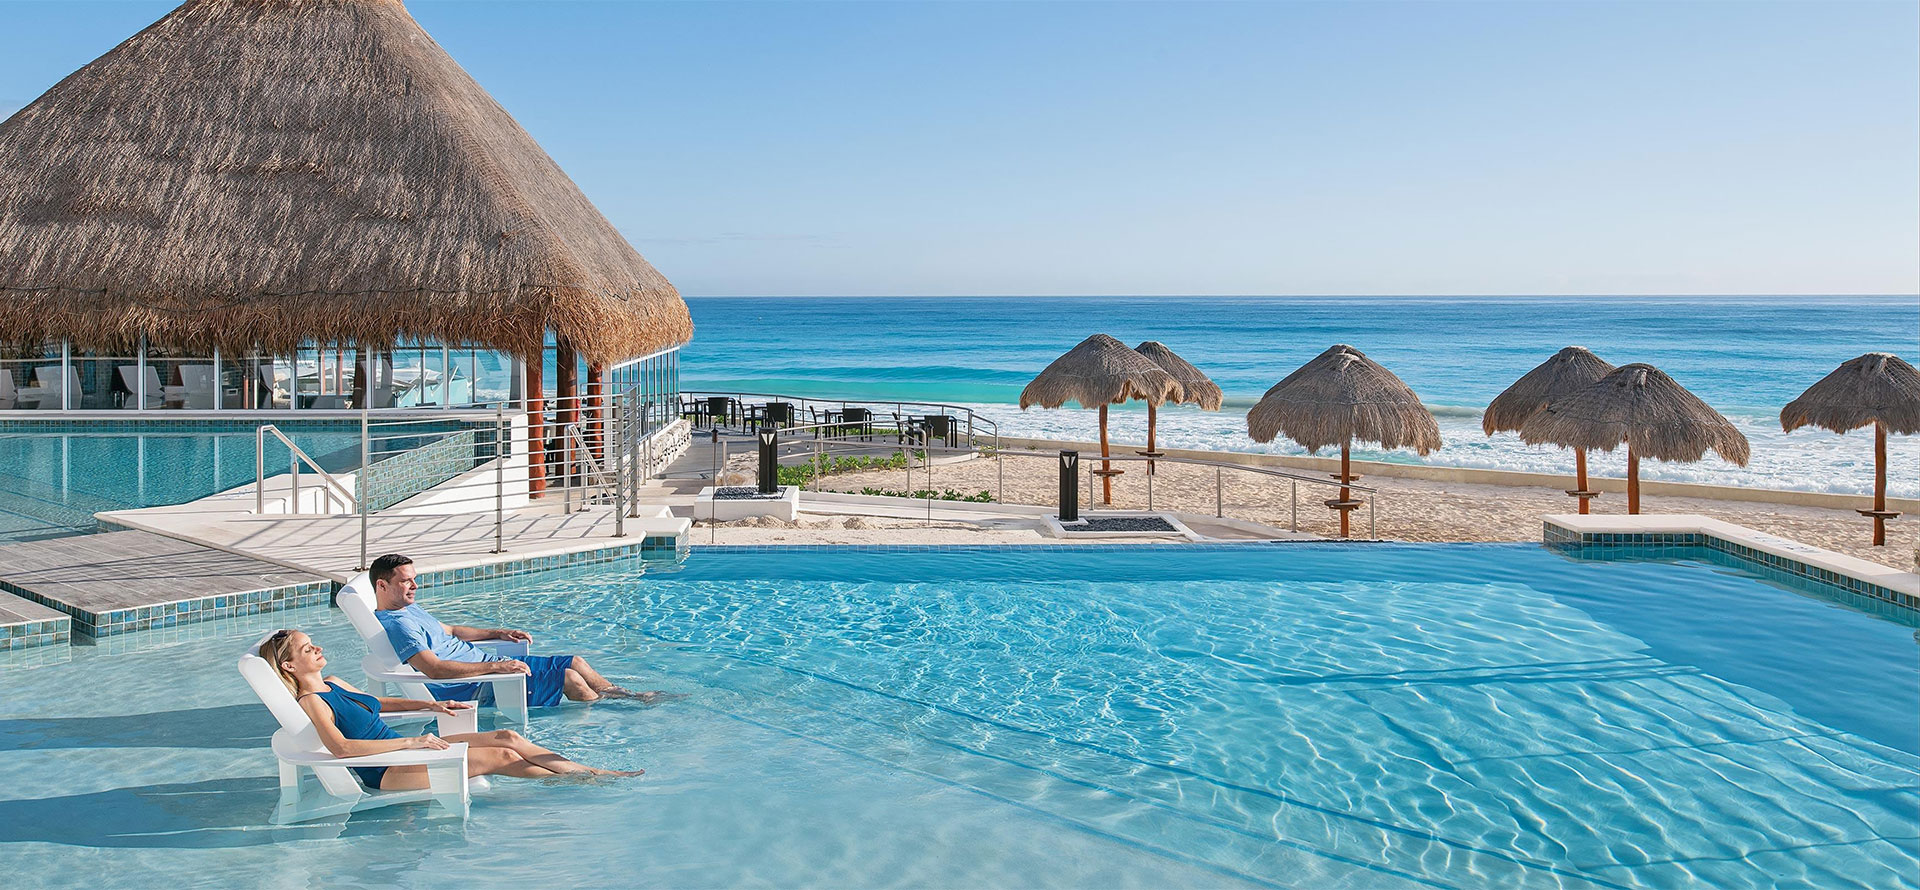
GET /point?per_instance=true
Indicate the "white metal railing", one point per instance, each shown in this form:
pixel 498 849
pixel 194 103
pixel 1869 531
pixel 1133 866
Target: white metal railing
pixel 596 451
pixel 921 448
pixel 329 487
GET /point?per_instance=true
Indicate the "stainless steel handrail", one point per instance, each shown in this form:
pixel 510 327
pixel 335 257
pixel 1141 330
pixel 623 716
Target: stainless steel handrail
pixel 297 457
pixel 1219 508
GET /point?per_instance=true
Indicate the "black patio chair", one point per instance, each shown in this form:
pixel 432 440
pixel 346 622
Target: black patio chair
pixel 776 414
pixel 860 419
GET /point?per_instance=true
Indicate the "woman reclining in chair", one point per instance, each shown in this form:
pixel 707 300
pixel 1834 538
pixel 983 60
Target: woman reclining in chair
pixel 349 724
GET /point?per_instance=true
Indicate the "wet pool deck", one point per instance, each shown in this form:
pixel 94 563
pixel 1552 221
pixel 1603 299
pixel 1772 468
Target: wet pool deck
pixel 25 624
pixel 126 581
pixel 215 558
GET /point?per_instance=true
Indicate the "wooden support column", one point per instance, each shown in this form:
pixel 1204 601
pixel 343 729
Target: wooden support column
pixel 567 402
pixel 599 409
pixel 536 426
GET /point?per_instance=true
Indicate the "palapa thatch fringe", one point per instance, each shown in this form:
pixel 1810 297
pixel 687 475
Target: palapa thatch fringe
pixel 1196 387
pixel 1570 370
pixel 1639 405
pixel 260 173
pixel 1341 397
pixel 1100 371
pixel 1878 386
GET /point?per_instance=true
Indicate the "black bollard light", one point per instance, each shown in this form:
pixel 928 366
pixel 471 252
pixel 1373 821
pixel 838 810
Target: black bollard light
pixel 769 462
pixel 1069 486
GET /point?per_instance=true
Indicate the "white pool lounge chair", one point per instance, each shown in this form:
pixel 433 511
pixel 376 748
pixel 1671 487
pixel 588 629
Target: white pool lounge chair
pixel 7 391
pixel 383 665
pixel 298 748
pixel 49 391
pixel 196 385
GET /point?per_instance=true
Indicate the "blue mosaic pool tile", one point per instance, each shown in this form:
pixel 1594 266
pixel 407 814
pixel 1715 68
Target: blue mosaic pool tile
pixel 1595 544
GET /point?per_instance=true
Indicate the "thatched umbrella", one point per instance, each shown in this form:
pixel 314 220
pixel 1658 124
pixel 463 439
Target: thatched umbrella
pixel 267 173
pixel 262 174
pixel 1640 405
pixel 1100 371
pixel 1340 397
pixel 1198 389
pixel 1568 371
pixel 1877 388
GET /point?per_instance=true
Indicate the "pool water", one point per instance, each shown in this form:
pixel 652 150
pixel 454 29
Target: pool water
pixel 1292 716
pixel 52 482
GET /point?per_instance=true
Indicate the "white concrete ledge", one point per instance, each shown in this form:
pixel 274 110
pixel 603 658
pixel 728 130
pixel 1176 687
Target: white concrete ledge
pixel 784 503
pixel 1899 582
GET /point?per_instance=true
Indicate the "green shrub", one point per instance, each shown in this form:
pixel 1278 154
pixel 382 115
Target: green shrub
pixel 802 474
pixel 984 497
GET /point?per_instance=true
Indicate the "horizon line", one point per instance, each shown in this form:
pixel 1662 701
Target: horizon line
pixel 1519 296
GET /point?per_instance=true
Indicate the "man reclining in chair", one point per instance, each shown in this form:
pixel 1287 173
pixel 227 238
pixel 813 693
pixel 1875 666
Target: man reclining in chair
pixel 446 651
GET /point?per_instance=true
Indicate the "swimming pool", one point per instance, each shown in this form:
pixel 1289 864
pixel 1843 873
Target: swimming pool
pixel 55 476
pixel 1292 715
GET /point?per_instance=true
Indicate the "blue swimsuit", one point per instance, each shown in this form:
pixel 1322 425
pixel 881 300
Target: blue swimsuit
pixel 357 716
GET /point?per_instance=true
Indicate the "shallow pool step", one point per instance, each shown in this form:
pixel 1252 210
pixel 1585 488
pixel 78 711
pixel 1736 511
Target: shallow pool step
pixel 130 580
pixel 25 624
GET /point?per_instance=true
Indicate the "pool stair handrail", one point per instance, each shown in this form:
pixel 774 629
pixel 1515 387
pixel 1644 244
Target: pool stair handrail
pixel 383 665
pixel 297 746
pixel 330 487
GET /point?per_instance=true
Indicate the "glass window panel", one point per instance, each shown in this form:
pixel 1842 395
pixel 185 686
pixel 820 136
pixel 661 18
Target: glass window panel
pixel 97 382
pixel 32 377
pixel 184 378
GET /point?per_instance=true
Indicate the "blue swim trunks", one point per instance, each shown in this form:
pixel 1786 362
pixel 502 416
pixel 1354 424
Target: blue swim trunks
pixel 545 685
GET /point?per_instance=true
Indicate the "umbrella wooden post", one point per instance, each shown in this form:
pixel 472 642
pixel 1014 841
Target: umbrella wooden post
pixel 1106 471
pixel 1345 504
pixel 1153 411
pixel 1880 513
pixel 1633 481
pixel 1580 489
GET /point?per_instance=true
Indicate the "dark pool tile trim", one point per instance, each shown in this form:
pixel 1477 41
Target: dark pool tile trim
pixel 1566 539
pixel 228 605
pixel 650 547
pixel 1035 548
pixel 38 632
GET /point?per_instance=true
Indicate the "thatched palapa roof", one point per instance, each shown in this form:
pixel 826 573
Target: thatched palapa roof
pixel 1878 386
pixel 263 172
pixel 1570 370
pixel 1197 388
pixel 1640 405
pixel 1099 371
pixel 1341 397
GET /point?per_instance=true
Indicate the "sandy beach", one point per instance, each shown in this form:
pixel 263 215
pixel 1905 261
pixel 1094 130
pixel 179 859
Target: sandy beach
pixel 1407 510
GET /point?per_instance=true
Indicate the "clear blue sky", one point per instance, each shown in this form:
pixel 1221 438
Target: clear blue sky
pixel 1200 148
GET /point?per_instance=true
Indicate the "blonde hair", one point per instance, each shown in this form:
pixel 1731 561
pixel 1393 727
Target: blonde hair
pixel 277 650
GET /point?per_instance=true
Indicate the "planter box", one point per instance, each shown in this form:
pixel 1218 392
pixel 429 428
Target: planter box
pixel 729 502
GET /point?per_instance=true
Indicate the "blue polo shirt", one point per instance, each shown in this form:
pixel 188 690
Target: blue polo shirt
pixel 412 631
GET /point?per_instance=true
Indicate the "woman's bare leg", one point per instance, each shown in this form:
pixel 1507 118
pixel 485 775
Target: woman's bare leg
pixel 480 762
pixel 507 739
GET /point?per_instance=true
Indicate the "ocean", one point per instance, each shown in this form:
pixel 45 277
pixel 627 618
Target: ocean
pixel 1746 356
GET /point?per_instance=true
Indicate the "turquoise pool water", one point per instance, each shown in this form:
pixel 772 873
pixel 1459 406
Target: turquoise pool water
pixel 1294 716
pixel 55 476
